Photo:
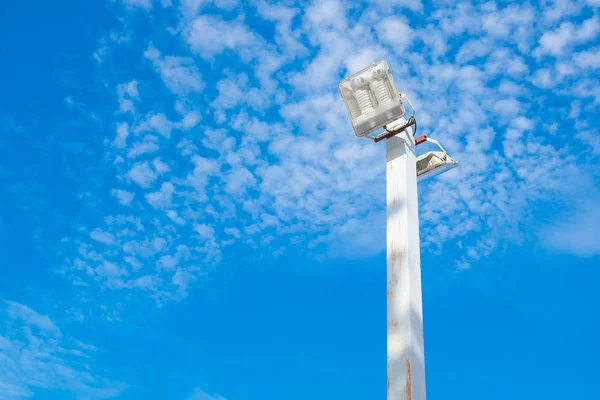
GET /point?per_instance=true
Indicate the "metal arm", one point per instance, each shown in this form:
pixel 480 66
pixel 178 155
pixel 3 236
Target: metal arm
pixel 403 96
pixel 423 139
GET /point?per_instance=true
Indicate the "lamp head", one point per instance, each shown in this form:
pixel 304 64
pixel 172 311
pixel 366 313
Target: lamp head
pixel 362 94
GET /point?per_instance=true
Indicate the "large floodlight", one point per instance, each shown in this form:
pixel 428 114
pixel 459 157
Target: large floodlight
pixel 371 98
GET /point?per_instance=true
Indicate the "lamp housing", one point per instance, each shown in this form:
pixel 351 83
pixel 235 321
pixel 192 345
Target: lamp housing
pixel 371 98
pixel 433 163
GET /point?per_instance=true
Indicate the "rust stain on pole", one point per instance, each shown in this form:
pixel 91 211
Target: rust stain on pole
pixel 397 257
pixel 408 388
pixel 388 396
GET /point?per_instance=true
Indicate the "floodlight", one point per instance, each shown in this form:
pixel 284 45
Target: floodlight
pixel 433 163
pixel 373 102
pixel 371 98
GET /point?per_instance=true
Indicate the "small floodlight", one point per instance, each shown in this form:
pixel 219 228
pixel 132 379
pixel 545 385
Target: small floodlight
pixel 371 98
pixel 433 163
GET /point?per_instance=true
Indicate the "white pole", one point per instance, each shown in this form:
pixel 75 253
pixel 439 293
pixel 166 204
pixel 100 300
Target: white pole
pixel 406 361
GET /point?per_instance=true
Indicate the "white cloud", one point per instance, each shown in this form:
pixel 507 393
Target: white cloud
pixel 239 180
pixel 235 232
pixel 16 311
pixel 577 232
pixel 173 216
pixel 523 123
pixel 472 49
pixel 167 262
pixel 135 264
pixel 187 147
pixel 107 43
pixel 162 199
pixel 209 36
pixel 503 23
pixel 157 123
pixel 147 283
pixel 158 244
pixel 123 196
pixel 127 93
pixel 145 4
pixel 179 74
pixel 288 39
pixel 205 231
pixel 200 394
pixel 142 174
pixel 142 248
pixel 395 32
pixel 517 67
pixel 199 177
pixel 148 145
pixel 591 139
pixel 230 91
pixel 190 119
pixel 557 41
pixel 555 10
pixel 103 237
pixel 588 59
pixel 509 106
pixel 160 166
pixel 191 7
pixel 109 270
pixel 589 29
pixel 328 28
pixel 366 56
pixel 182 279
pixel 120 140
pixel 543 79
pixel 234 91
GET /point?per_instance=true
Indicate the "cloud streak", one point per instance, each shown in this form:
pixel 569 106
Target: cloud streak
pixel 35 355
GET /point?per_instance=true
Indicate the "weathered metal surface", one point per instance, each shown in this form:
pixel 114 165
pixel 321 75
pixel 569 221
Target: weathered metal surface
pixel 420 139
pixel 406 364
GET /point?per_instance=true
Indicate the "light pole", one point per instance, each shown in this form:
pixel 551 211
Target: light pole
pixel 373 102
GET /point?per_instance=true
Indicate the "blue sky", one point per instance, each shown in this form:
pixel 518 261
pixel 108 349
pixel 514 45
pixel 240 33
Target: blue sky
pixel 187 213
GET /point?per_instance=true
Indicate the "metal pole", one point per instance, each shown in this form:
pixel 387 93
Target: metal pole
pixel 406 361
